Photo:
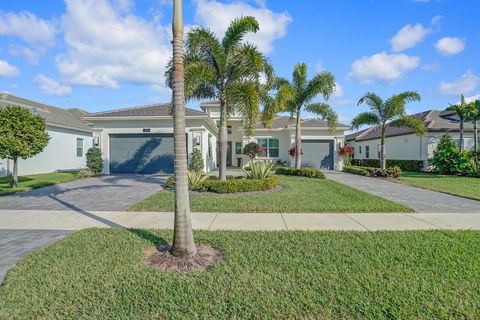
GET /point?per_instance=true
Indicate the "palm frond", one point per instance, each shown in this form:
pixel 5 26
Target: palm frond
pixel 246 62
pixel 199 81
pixel 300 77
pixel 417 125
pixel 395 105
pixel 286 98
pixel 365 119
pixel 325 111
pixel 202 44
pixel 372 100
pixel 237 30
pixel 243 97
pixel 323 83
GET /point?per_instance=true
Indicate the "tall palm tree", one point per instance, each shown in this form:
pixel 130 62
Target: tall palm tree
pixel 298 94
pixel 227 70
pixel 475 119
pixel 183 243
pixel 464 112
pixel 391 112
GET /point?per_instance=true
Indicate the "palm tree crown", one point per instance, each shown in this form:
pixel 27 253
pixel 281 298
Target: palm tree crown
pixel 299 93
pixel 476 119
pixel 464 112
pixel 226 70
pixel 391 111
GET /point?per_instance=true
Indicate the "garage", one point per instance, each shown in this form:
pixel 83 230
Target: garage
pixel 317 154
pixel 141 153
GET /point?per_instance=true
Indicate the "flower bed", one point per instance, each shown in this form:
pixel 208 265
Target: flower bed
pixel 302 172
pixel 393 172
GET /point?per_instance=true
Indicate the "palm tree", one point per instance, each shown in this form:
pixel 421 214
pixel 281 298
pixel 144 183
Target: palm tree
pixel 464 111
pixel 475 119
pixel 227 70
pixel 391 112
pixel 183 243
pixel 297 95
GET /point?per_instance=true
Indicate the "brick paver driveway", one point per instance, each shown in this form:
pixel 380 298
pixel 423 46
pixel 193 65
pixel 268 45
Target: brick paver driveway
pixel 103 193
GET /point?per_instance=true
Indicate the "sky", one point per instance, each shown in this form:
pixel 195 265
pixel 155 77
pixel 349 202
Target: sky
pixel 108 54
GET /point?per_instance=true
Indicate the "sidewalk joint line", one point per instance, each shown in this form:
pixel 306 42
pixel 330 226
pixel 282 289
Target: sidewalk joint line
pixel 424 221
pixel 284 222
pixel 348 215
pixel 213 220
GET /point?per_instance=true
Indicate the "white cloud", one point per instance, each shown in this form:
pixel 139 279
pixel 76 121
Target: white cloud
pixel 408 37
pixel 217 16
pixel 106 46
pixel 319 67
pixel 383 67
pixel 339 91
pixel 472 98
pixel 52 87
pixel 7 70
pixel 463 85
pixel 450 46
pixel 27 27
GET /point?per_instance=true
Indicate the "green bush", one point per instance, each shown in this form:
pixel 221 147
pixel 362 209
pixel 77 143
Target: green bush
pixel 302 172
pixel 238 185
pixel 85 173
pixel 252 150
pixel 356 170
pixel 404 165
pixel 195 179
pixel 448 160
pixel 393 172
pixel 197 164
pixel 94 160
pixel 170 183
pixel 259 170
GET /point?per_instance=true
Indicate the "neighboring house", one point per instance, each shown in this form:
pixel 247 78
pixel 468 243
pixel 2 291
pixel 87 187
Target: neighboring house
pixel 402 144
pixel 70 138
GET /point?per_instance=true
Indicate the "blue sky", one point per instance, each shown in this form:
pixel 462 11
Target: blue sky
pixel 105 54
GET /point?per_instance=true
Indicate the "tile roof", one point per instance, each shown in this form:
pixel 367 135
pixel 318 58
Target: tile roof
pixel 152 110
pixel 65 118
pixel 283 122
pixel 434 120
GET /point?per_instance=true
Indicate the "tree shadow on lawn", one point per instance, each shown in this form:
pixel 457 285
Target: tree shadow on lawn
pixel 428 175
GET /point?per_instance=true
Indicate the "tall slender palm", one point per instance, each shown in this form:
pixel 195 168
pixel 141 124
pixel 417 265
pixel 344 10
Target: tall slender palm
pixel 464 112
pixel 391 112
pixel 298 94
pixel 475 119
pixel 183 243
pixel 227 70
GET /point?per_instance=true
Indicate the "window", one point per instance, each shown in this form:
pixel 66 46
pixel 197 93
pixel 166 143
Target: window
pixel 209 146
pixel 238 147
pixel 270 148
pixel 79 147
pixel 229 129
pixel 378 151
pixel 367 152
pixel 360 150
pixel 353 152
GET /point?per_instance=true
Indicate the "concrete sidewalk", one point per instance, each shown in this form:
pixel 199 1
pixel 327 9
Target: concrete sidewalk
pixel 76 220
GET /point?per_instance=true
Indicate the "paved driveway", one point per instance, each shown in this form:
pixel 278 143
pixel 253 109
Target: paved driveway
pixel 103 193
pixel 421 200
pixel 14 244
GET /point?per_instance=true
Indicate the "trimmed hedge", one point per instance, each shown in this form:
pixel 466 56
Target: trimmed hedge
pixel 356 170
pixel 238 185
pixel 393 172
pixel 405 165
pixel 302 172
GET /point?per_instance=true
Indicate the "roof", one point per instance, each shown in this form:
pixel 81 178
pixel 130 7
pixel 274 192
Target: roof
pixel 434 120
pixel 53 116
pixel 152 110
pixel 283 122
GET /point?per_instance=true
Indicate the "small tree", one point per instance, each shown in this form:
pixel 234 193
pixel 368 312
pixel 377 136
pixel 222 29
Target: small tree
pixel 197 164
pixel 346 152
pixel 94 160
pixel 22 135
pixel 252 150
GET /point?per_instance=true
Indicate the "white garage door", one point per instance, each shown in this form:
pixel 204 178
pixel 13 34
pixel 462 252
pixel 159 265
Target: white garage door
pixel 317 154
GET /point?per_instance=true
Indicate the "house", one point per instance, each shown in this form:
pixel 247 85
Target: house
pixel 402 144
pixel 140 139
pixel 70 138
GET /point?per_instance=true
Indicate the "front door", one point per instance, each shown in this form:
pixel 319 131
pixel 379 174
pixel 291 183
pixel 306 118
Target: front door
pixel 229 154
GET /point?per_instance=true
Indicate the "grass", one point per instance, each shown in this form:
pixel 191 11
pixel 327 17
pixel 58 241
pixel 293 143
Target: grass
pixel 461 186
pixel 298 195
pixel 100 274
pixel 26 183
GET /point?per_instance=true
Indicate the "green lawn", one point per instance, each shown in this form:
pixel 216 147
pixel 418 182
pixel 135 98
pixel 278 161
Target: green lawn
pixel 298 195
pixel 26 183
pixel 100 274
pixel 461 186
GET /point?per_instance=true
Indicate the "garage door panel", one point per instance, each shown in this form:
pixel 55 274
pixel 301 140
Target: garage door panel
pixel 140 153
pixel 317 154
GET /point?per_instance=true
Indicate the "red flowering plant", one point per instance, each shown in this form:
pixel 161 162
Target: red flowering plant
pixel 291 151
pixel 347 153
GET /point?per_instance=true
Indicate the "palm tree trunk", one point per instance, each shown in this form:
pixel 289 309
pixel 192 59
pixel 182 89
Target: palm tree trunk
pixel 298 142
pixel 475 135
pixel 15 173
pixel 461 136
pixel 383 160
pixel 223 137
pixel 183 243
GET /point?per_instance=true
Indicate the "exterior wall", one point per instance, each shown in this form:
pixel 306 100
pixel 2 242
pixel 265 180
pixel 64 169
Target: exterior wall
pixel 197 131
pixel 59 155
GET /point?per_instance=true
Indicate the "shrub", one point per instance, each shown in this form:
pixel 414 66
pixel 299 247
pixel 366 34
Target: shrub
pixel 346 152
pixel 197 164
pixel 238 185
pixel 85 173
pixel 302 172
pixel 195 179
pixel 94 160
pixel 259 170
pixel 448 160
pixel 405 165
pixel 252 150
pixel 393 172
pixel 170 183
pixel 356 170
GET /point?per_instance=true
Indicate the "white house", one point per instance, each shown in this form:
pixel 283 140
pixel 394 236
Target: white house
pixel 402 144
pixel 140 139
pixel 70 138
